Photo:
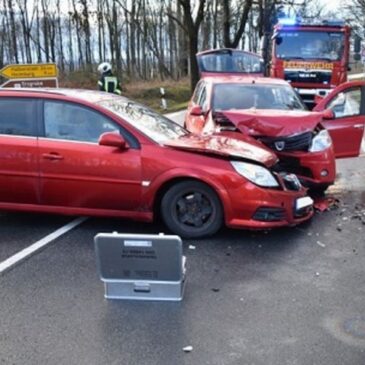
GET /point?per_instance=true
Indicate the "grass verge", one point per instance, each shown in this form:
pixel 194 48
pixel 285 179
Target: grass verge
pixel 177 93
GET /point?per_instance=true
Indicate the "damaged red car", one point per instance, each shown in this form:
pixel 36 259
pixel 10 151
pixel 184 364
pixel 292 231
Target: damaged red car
pixel 81 152
pixel 270 111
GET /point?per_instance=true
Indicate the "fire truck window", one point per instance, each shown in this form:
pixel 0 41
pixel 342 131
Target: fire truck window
pixel 311 45
pixel 346 104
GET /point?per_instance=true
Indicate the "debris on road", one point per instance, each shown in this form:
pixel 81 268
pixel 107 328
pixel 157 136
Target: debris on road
pixel 319 243
pixel 188 348
pixel 323 204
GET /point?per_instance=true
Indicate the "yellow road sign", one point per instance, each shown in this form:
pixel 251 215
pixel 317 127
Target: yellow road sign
pixel 29 71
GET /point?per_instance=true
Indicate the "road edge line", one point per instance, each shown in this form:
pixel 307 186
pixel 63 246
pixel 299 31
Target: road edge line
pixel 36 246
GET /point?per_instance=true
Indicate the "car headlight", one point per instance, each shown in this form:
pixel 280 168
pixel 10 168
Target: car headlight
pixel 255 173
pixel 321 141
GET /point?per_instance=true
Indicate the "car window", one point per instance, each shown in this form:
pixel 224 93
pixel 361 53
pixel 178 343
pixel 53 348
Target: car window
pixel 346 104
pixel 154 125
pixel 246 96
pixel 197 92
pixel 17 116
pixel 203 99
pixel 72 122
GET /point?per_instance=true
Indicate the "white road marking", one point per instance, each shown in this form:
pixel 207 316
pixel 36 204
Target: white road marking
pixel 32 249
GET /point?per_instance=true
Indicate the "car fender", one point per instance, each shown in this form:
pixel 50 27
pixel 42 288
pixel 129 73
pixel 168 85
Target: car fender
pixel 153 191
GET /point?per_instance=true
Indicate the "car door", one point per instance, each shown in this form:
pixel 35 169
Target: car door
pixel 347 103
pixel 77 172
pixel 195 122
pixel 19 175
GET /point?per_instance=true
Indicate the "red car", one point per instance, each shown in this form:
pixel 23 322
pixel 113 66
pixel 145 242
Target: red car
pixel 84 152
pixel 269 110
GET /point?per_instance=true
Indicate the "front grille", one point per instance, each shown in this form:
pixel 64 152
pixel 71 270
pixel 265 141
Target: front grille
pixel 267 214
pixel 299 142
pixel 308 77
pixel 292 165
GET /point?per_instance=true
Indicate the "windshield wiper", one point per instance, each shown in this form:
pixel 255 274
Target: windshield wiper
pixel 292 58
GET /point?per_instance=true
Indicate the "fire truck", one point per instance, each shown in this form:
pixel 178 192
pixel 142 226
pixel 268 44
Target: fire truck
pixel 314 57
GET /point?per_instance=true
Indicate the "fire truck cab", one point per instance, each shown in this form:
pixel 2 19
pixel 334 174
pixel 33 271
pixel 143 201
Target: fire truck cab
pixel 314 58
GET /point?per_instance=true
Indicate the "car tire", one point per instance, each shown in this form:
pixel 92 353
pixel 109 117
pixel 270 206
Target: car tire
pixel 191 209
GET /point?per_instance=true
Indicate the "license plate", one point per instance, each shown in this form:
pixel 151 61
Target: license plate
pixel 304 202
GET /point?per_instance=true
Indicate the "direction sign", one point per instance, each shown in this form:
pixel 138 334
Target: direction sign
pixel 30 83
pixel 29 71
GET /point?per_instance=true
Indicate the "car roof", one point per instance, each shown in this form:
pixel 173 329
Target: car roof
pixel 231 79
pixel 91 96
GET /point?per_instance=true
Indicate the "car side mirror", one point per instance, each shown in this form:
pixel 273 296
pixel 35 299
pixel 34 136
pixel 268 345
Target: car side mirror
pixel 328 114
pixel 112 139
pixel 196 110
pixel 357 57
pixel 357 44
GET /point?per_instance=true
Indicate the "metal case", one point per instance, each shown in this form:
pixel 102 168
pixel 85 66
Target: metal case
pixel 144 267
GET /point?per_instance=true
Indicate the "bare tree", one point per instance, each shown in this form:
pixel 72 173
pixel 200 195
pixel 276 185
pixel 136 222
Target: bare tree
pixel 227 23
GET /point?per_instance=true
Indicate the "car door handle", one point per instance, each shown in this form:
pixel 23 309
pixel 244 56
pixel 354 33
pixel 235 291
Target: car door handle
pixel 52 156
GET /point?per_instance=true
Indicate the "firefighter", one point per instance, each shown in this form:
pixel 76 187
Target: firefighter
pixel 108 82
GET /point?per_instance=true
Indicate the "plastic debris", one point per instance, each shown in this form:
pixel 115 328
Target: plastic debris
pixel 188 348
pixel 323 204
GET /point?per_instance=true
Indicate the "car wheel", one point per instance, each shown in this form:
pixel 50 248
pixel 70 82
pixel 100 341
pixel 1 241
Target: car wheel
pixel 192 209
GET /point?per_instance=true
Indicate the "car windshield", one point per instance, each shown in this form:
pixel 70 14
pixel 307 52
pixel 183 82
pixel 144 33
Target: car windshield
pixel 246 96
pixel 306 45
pixel 152 124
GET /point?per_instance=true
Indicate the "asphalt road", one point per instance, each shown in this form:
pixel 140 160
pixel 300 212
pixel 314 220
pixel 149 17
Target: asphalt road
pixel 288 296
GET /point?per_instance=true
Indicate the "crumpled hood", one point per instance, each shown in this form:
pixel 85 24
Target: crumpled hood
pixel 240 146
pixel 273 123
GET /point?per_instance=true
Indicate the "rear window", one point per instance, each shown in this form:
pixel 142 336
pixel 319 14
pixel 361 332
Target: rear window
pixel 16 116
pixel 230 62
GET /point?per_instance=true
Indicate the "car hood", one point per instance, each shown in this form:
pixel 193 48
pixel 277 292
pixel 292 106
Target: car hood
pixel 272 123
pixel 225 145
